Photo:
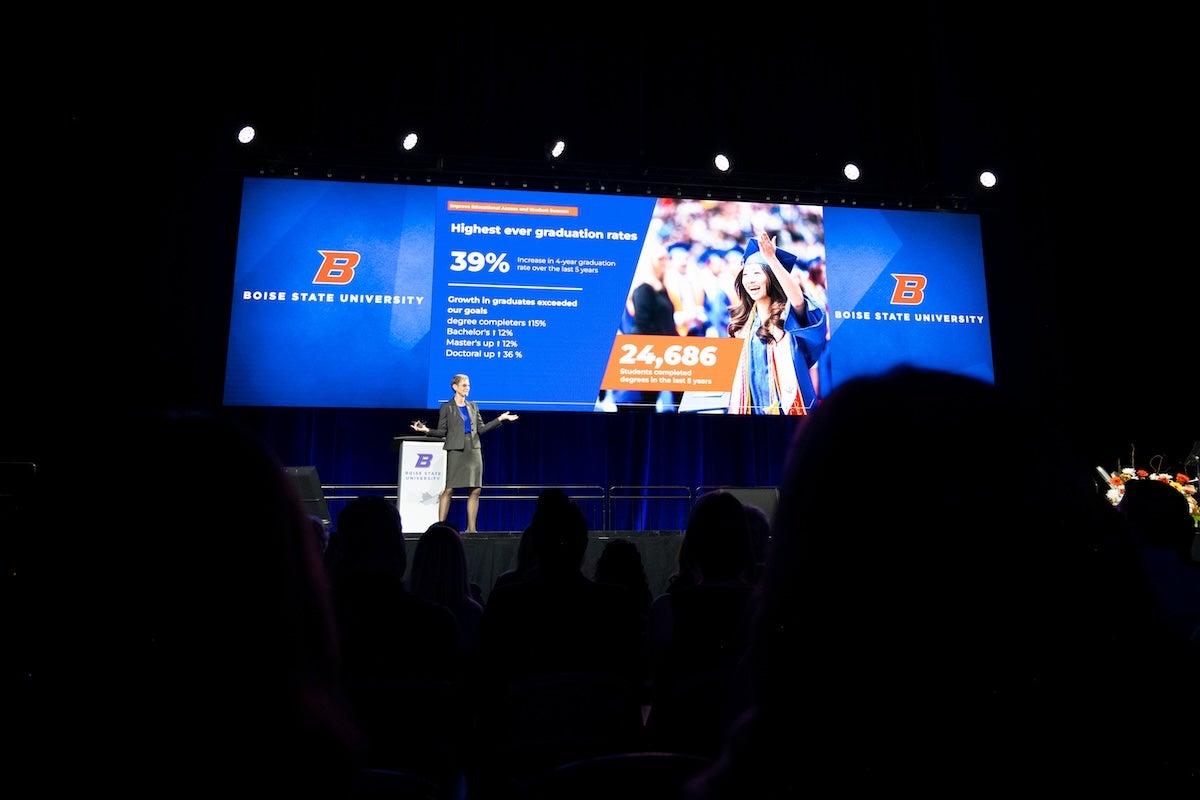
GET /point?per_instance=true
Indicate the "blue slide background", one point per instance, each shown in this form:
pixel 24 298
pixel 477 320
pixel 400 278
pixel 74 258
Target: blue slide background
pixel 864 248
pixel 335 354
pixel 561 364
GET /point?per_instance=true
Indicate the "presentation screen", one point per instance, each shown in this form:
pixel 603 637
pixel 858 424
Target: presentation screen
pixel 364 295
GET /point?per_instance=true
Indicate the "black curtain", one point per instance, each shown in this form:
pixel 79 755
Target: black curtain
pixel 666 457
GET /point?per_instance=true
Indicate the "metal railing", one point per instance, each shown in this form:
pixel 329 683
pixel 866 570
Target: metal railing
pixel 647 507
pixel 620 507
pixel 591 498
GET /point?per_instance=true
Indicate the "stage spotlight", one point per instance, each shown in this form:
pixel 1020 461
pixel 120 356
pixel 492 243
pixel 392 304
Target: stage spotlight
pixel 722 162
pixel 987 179
pixel 851 171
pixel 246 134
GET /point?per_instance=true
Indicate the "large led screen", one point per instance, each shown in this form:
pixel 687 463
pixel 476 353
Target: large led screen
pixel 362 295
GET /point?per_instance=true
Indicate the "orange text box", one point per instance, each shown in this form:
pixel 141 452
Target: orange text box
pixel 672 363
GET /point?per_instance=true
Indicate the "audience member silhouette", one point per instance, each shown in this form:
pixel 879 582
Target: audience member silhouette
pixel 526 557
pixel 620 562
pixel 554 624
pixel 439 575
pixel 942 629
pixel 559 619
pixel 715 549
pixel 699 628
pixel 526 563
pixel 1161 524
pixel 760 536
pixel 387 631
pixel 200 654
pixel 401 653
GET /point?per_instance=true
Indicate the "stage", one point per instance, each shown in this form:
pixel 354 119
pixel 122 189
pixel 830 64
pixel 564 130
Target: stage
pixel 489 554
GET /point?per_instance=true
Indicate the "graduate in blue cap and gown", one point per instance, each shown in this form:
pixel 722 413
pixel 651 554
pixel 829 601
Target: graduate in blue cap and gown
pixel 784 333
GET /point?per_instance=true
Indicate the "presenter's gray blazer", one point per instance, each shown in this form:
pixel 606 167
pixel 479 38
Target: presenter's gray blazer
pixel 450 426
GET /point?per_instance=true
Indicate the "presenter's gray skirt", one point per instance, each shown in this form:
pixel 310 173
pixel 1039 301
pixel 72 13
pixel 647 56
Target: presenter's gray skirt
pixel 464 468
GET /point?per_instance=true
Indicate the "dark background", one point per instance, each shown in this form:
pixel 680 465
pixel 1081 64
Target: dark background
pixel 124 190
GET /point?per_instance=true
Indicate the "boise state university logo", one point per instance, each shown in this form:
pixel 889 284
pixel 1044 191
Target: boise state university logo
pixel 910 289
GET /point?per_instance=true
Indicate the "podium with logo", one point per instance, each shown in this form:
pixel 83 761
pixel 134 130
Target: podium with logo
pixel 420 479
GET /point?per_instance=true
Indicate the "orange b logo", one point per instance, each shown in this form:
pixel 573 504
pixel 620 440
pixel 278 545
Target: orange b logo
pixel 909 291
pixel 338 267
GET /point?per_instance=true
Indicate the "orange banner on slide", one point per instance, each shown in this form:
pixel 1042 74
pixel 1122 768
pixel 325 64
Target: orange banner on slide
pixel 671 363
pixel 512 208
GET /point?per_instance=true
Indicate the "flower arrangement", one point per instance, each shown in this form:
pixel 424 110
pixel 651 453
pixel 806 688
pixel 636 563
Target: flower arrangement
pixel 1180 482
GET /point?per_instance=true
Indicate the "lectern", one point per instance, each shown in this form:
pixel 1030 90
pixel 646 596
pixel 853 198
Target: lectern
pixel 421 478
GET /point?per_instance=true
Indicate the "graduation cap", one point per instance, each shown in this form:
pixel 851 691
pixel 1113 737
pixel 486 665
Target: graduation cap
pixel 679 250
pixel 785 258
